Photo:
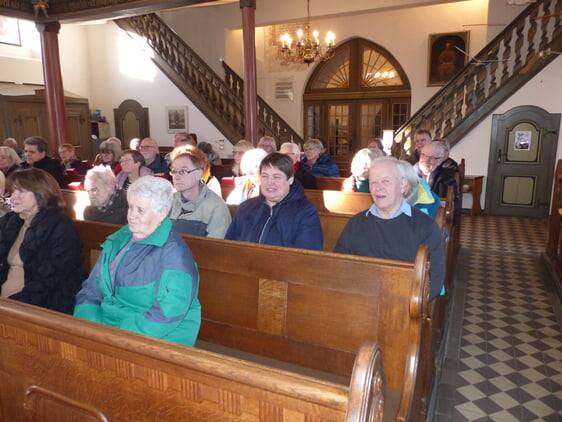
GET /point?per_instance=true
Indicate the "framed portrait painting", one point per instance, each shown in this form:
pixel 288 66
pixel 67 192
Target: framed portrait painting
pixel 176 119
pixel 445 56
pixel 9 31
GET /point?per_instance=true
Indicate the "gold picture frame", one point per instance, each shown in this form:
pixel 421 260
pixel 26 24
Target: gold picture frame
pixel 446 56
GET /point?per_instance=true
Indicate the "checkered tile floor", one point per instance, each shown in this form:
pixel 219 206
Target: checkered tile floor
pixel 503 356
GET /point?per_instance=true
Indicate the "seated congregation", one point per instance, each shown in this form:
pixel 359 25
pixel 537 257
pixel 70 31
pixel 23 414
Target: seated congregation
pixel 167 273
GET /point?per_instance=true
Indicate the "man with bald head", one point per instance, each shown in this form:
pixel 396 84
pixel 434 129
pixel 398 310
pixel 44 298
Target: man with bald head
pixel 391 228
pixel 151 153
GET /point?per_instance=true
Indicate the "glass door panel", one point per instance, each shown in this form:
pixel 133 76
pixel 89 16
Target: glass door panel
pixel 370 122
pixel 338 143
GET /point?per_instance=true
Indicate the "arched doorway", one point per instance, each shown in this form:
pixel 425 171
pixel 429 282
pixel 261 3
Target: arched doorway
pixel 354 96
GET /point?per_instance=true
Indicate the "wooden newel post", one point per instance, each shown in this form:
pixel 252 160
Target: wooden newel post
pixel 248 8
pixel 54 90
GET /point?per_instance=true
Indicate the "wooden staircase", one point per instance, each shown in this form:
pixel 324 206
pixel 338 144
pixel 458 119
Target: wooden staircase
pixel 220 99
pixel 511 59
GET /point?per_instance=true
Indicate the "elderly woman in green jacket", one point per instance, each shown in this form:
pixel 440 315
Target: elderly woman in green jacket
pixel 145 279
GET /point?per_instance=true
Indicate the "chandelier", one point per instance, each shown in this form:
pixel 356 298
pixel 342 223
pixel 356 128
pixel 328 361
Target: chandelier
pixel 307 48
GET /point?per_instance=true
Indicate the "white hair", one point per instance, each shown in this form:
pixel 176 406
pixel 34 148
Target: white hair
pixel 364 155
pixel 159 190
pixel 99 175
pixel 294 146
pixel 251 159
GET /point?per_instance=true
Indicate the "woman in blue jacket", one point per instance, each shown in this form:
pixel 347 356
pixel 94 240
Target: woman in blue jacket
pixel 281 215
pixel 317 161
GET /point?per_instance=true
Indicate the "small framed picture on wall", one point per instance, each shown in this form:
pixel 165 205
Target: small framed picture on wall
pixel 446 56
pixel 9 31
pixel 176 119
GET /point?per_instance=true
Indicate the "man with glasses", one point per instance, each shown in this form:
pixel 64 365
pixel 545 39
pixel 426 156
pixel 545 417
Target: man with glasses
pixel 437 176
pixel 196 209
pixel 149 150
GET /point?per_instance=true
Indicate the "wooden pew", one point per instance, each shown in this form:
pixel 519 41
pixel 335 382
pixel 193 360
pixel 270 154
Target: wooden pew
pixel 554 242
pixel 309 308
pixel 58 368
pixel 339 202
pixel 328 200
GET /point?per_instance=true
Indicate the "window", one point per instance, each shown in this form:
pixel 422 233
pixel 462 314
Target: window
pixel 354 96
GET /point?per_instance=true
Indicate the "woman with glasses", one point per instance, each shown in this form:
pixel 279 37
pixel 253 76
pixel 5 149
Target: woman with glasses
pixel 110 153
pixel 108 203
pixel 240 148
pixel 317 161
pixel 196 209
pixel 132 167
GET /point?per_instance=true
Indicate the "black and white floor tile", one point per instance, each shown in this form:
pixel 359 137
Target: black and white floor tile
pixel 503 355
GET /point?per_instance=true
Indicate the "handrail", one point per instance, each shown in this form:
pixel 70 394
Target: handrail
pixel 495 73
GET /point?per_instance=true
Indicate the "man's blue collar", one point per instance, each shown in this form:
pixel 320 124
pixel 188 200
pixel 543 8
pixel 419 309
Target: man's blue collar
pixel 404 208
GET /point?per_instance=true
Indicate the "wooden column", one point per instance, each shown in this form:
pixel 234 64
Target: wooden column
pixel 248 8
pixel 53 84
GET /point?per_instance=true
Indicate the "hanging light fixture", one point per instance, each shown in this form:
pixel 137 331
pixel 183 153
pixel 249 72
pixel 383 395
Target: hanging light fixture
pixel 307 48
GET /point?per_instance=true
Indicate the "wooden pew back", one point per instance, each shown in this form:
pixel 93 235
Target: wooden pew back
pixel 56 367
pixel 308 308
pixel 329 183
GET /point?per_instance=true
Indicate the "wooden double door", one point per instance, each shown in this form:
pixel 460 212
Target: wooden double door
pixel 346 126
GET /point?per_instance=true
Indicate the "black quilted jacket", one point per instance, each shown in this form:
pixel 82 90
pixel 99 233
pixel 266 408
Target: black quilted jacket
pixel 51 253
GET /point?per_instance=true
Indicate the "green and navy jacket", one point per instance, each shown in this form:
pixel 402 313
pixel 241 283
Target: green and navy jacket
pixel 152 290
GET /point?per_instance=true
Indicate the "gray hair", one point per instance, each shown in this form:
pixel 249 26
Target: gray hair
pixel 315 143
pixel 364 155
pixel 268 138
pixel 411 192
pixel 438 148
pixel 99 175
pixel 390 159
pixel 38 141
pixel 113 147
pixel 159 190
pixel 294 146
pixel 12 155
pixel 444 142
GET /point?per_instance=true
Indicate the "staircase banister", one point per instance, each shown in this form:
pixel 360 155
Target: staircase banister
pixel 285 128
pixel 487 53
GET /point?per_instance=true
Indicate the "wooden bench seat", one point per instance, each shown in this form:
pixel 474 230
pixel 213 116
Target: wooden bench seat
pixel 309 308
pixel 58 368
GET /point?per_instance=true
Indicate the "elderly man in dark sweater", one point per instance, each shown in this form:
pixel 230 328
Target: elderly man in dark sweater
pixel 391 228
